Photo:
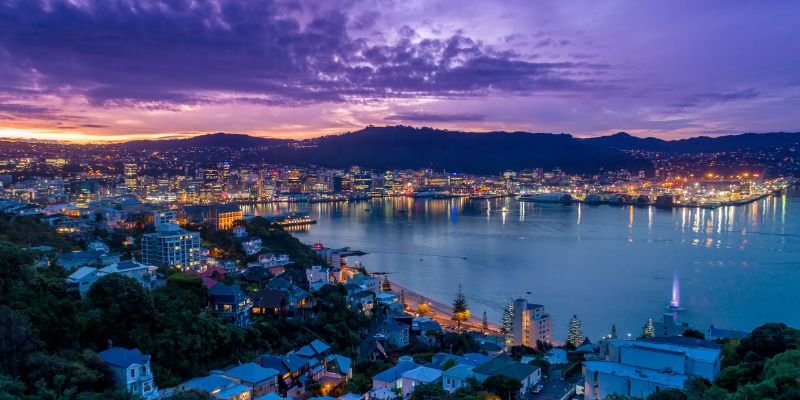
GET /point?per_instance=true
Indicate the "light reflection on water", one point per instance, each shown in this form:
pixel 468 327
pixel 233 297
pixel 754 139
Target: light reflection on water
pixel 739 266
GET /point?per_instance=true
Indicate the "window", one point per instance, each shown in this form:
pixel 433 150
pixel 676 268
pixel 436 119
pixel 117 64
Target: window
pixel 133 372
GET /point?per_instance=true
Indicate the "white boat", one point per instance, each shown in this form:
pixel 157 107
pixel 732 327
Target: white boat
pixel 557 197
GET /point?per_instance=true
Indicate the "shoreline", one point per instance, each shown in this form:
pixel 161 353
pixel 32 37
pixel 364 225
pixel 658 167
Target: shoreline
pixel 441 312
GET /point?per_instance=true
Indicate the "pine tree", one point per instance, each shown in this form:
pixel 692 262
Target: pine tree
pixel 460 308
pixel 649 330
pixel 385 285
pixel 507 322
pixel 613 334
pixel 575 332
pixel 485 325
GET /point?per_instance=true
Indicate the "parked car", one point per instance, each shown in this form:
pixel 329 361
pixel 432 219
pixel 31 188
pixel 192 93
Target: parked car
pixel 537 389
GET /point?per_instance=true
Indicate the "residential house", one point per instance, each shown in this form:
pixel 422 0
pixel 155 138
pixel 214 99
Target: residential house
pixel 219 387
pixel 556 356
pixel 390 301
pixel 474 359
pixel 268 301
pixel 272 260
pixel 98 246
pixel 366 282
pixel 456 377
pixel 291 368
pixel 394 333
pixel 210 276
pixel 315 352
pixel 528 375
pixel 261 380
pixel 318 273
pixel 381 394
pixel 419 376
pixel 362 300
pixel 392 378
pixel 252 246
pixel 296 297
pixel 340 364
pixel 85 277
pixel 82 279
pixel 131 371
pixel 425 330
pixel 90 258
pixel 144 274
pixel 257 274
pixel 230 303
pixel 239 232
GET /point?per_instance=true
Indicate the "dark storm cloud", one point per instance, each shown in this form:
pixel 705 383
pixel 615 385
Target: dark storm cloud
pixel 12 111
pixel 434 117
pixel 161 54
pixel 702 99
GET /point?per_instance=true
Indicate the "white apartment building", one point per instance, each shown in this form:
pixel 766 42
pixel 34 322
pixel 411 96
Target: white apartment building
pixel 639 368
pixel 531 324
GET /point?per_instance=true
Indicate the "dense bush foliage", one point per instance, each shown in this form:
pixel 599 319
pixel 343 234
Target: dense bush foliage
pixel 49 337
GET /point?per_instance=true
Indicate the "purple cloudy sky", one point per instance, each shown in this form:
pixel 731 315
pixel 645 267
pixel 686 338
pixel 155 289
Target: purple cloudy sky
pixel 106 69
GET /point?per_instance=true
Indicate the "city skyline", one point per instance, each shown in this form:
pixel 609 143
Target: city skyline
pixel 304 69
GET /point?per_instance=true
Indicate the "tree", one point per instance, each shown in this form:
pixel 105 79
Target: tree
pixel 385 285
pixel 460 308
pixel 507 322
pixel 403 298
pixel 17 340
pixel 693 333
pixel 648 330
pixel 485 323
pixel 575 332
pixel 424 309
pixel 768 340
pixel 613 334
pixel 429 391
pixel 669 394
pixel 503 386
pixel 449 363
pixel 125 310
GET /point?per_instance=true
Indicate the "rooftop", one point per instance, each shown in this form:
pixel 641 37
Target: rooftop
pixel 704 354
pixel 396 372
pixel 121 357
pixel 460 371
pixel 251 372
pixel 423 374
pixel 636 373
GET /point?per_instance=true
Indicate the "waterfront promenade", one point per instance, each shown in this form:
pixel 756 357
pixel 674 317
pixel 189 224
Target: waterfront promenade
pixel 442 313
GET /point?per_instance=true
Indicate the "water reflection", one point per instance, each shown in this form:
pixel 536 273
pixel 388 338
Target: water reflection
pixel 603 255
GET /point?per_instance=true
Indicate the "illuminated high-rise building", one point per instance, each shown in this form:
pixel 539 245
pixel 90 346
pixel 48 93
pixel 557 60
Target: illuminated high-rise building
pixel 130 174
pixel 531 324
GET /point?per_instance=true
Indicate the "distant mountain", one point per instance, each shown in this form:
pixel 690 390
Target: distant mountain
pixel 700 144
pixel 219 139
pixel 398 147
